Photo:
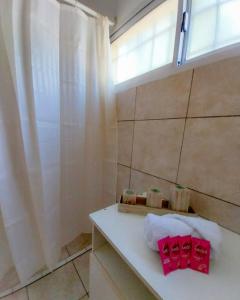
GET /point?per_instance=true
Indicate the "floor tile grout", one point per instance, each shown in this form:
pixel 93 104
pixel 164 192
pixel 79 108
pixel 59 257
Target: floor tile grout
pixel 27 293
pixel 76 270
pixel 64 262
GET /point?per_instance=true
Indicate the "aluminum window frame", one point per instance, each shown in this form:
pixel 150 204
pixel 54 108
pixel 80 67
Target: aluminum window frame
pixel 180 63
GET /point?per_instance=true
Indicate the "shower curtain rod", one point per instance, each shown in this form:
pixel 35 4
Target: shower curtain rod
pixel 83 7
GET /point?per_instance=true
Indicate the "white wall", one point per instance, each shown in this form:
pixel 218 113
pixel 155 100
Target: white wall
pixel 122 9
pixel 105 7
pixel 127 8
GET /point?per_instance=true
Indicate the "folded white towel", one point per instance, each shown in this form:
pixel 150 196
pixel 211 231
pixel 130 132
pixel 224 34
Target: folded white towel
pixel 158 227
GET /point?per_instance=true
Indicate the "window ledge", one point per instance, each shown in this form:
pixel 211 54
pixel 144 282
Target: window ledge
pixel 171 69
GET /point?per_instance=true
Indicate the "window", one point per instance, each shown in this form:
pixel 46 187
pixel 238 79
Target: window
pixel 213 24
pixel 149 44
pixel 205 25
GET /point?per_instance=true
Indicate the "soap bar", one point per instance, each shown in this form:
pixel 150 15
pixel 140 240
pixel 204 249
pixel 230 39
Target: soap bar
pixel 200 255
pixel 141 199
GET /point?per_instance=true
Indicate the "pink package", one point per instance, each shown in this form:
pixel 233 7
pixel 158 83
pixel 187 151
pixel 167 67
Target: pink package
pixel 163 246
pixel 185 243
pixel 200 255
pixel 174 253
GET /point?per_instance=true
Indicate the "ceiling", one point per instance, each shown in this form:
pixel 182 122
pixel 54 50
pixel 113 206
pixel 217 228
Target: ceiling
pixel 117 10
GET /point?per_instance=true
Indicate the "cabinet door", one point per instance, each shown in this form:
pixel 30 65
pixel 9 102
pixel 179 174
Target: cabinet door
pixel 101 286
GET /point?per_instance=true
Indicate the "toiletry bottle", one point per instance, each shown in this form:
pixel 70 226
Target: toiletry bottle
pixel 154 198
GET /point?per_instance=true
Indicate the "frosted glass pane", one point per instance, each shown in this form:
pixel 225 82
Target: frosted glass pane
pixel 229 26
pixel 128 45
pixel 199 5
pixel 163 50
pixel 121 75
pixel 202 32
pixel 213 24
pixel 148 44
pixel 145 57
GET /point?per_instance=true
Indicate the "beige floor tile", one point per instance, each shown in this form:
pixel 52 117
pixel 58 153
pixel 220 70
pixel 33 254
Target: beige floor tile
pixel 9 280
pixel 20 295
pixel 82 265
pixel 62 284
pixel 81 242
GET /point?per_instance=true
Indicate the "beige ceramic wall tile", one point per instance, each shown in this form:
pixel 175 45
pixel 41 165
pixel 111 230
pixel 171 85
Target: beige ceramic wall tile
pixel 210 160
pixel 123 178
pixel 82 265
pixel 63 284
pixel 223 213
pixel 141 182
pixel 216 89
pixel 20 295
pixel 126 104
pixel 165 98
pixel 85 298
pixel 125 139
pixel 156 148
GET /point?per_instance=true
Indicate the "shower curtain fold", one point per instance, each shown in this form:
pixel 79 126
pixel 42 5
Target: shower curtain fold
pixel 57 128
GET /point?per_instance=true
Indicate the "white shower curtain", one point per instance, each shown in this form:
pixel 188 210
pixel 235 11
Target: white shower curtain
pixel 57 128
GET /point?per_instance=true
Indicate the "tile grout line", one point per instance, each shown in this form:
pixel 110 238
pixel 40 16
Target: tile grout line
pixel 220 199
pixel 80 278
pixel 76 270
pixel 155 176
pixel 213 117
pixel 27 293
pixel 134 123
pixel 182 118
pixel 124 165
pixel 159 119
pixel 45 273
pixel 183 136
pixel 184 128
pixel 192 189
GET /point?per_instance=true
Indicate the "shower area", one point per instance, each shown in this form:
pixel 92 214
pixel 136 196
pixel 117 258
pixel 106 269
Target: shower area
pixel 57 134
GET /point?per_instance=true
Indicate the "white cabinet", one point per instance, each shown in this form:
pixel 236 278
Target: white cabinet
pixel 110 276
pixel 101 286
pixel 122 267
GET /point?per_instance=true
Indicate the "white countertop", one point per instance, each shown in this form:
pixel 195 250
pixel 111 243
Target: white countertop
pixel 125 233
